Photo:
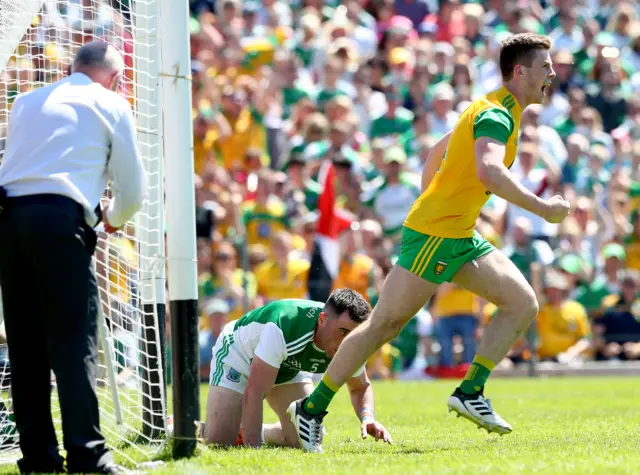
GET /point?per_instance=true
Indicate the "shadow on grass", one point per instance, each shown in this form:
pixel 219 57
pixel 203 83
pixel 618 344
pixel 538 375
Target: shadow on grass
pixel 385 449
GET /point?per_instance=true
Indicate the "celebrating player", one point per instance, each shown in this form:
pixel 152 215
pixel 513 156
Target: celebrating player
pixel 270 353
pixel 439 242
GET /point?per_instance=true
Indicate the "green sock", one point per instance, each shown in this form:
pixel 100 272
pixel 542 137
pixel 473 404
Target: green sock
pixel 321 396
pixel 477 375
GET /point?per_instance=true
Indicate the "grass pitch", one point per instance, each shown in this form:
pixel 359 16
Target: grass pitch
pixel 561 426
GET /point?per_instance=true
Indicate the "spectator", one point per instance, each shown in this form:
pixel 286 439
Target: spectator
pixel 357 271
pixel 562 325
pixel 456 312
pixel 392 194
pixel 225 281
pixel 618 330
pixel 282 276
pixel 216 311
pixel 607 281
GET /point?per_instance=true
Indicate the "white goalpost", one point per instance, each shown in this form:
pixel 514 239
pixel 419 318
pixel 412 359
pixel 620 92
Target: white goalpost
pixel 37 41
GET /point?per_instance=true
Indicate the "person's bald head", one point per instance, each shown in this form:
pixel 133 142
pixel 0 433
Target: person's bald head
pixel 101 62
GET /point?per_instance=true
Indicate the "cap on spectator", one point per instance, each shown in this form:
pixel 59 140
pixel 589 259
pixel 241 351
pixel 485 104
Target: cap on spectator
pixel 400 24
pixel 400 56
pixel 444 48
pixel 395 154
pixel 571 264
pixel 296 158
pixel 344 48
pixel 343 159
pixel 380 143
pixel 310 22
pixel 614 250
pixel 427 28
pixel 217 306
pixel 443 91
pixel 630 277
pixel 555 280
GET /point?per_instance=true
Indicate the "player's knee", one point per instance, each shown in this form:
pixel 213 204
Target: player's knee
pixel 529 305
pixel 386 329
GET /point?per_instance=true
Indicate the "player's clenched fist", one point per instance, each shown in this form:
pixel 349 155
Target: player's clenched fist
pixel 556 209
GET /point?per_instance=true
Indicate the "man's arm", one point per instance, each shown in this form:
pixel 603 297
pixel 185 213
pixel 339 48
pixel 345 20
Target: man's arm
pixel 261 379
pixel 126 172
pixel 433 161
pixel 361 394
pixel 497 178
pixel 269 355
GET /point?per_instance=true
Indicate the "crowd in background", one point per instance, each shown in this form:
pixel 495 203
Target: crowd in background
pixel 282 88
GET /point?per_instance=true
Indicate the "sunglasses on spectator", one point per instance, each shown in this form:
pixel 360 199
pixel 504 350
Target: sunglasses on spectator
pixel 223 257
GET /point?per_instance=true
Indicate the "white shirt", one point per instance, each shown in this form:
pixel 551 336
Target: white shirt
pixel 70 138
pixel 532 182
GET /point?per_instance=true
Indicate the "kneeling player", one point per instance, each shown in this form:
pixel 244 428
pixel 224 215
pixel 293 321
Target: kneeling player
pixel 271 353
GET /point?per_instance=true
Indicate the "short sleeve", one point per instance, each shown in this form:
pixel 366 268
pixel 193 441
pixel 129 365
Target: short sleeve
pixel 272 348
pixel 494 123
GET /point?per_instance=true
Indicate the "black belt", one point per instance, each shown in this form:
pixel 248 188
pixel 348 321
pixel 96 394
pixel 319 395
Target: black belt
pixel 45 199
pixel 65 202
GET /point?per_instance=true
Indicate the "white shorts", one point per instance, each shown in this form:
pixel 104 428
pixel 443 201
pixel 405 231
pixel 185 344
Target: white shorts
pixel 229 370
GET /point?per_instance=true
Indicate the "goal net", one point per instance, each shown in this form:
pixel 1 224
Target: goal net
pixel 38 39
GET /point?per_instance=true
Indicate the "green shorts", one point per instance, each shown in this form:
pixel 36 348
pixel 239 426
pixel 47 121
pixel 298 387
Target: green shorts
pixel 437 259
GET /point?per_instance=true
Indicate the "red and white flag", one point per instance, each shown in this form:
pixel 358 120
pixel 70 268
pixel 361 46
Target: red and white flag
pixel 332 221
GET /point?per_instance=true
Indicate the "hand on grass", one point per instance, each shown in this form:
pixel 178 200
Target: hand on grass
pixel 375 429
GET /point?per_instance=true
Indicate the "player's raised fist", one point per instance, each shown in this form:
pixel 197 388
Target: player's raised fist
pixel 556 209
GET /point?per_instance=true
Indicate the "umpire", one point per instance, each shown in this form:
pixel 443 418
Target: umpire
pixel 64 143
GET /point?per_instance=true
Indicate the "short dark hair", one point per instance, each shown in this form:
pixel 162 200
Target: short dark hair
pixel 519 49
pixel 347 300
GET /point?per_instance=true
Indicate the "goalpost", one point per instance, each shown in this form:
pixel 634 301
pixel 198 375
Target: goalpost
pixel 37 41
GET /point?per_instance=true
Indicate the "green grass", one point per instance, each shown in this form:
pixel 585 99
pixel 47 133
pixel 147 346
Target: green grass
pixel 561 426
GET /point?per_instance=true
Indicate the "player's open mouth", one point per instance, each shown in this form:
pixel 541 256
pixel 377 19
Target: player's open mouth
pixel 544 87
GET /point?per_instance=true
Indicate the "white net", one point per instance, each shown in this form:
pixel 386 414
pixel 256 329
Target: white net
pixel 129 265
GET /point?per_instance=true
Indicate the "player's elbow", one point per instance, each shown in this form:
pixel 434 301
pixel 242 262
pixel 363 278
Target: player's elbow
pixel 486 174
pixel 358 385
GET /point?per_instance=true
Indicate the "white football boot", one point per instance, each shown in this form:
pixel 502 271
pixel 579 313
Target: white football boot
pixel 308 426
pixel 478 410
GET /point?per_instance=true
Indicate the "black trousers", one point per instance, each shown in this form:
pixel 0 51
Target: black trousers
pixel 50 298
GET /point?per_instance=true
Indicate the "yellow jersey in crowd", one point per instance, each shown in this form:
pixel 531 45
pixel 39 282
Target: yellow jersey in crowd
pixel 262 222
pixel 122 259
pixel 356 274
pixel 453 300
pixel 561 327
pixel 451 204
pixel 273 284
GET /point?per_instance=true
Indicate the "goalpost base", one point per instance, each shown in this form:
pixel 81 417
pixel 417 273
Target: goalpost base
pixel 186 376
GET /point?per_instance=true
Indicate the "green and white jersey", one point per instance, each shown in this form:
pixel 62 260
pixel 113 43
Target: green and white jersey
pixel 392 202
pixel 281 334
